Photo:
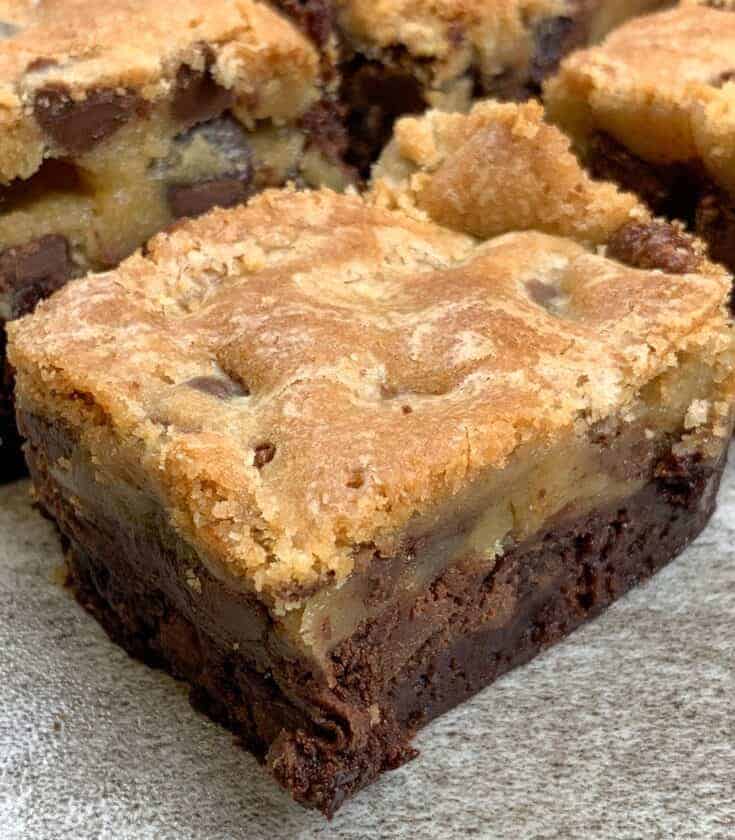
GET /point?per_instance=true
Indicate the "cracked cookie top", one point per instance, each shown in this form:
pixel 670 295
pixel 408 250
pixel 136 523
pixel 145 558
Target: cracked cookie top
pixel 662 85
pixel 304 375
pixel 499 168
pixel 73 71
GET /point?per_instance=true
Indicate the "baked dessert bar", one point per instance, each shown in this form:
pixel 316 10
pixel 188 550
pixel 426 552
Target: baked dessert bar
pixel 340 468
pixel 400 56
pixel 652 108
pixel 117 119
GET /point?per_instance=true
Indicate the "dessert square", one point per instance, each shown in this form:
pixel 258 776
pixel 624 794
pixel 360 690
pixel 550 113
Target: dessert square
pixel 339 467
pixel 118 119
pixel 402 56
pixel 653 108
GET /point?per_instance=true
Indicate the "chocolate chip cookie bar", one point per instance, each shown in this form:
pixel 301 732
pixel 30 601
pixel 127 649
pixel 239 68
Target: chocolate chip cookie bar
pixel 653 108
pixel 339 468
pixel 402 56
pixel 118 119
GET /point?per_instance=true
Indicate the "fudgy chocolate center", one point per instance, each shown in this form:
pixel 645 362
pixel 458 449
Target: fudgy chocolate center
pixel 76 126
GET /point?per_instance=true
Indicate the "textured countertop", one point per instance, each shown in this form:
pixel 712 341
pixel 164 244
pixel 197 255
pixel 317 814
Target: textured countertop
pixel 627 730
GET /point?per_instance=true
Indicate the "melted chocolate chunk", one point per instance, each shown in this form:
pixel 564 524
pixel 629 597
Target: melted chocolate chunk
pixel 724 78
pixel 228 142
pixel 77 126
pixel 217 387
pixel 198 97
pixel 195 199
pixel 264 454
pixel 38 65
pixel 654 245
pixel 546 295
pixel 32 272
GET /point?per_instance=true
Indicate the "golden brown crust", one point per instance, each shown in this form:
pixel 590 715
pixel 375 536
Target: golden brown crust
pixel 139 46
pixel 661 85
pixel 499 168
pixel 366 368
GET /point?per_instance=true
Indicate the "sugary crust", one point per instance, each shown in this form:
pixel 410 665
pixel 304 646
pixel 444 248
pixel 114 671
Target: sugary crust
pixel 661 85
pixel 137 45
pixel 367 366
pixel 499 168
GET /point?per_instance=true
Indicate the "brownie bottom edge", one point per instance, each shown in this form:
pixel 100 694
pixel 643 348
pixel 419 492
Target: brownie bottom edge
pixel 12 463
pixel 323 743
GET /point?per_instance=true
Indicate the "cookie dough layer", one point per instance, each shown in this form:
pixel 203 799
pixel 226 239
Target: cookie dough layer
pixel 666 135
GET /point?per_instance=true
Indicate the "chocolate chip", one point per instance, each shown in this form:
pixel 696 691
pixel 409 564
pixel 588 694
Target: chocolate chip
pixel 33 271
pixel 217 387
pixel 654 245
pixel 196 199
pixel 356 479
pixel 542 293
pixel 77 126
pixel 7 30
pixel 264 454
pixel 198 97
pixel 38 65
pixel 723 78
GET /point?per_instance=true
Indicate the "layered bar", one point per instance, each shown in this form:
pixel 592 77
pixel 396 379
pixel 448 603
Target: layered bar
pixel 339 468
pixel 402 56
pixel 653 108
pixel 118 119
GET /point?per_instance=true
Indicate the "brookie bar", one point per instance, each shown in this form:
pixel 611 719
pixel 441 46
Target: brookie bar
pixel 340 468
pixel 653 109
pixel 116 119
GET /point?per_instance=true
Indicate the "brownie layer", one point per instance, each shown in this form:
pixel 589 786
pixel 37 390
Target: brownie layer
pixel 12 465
pixel 325 733
pixel 681 191
pixel 28 273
